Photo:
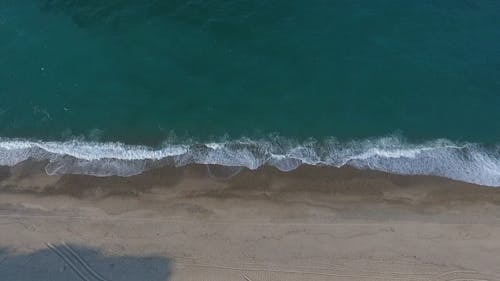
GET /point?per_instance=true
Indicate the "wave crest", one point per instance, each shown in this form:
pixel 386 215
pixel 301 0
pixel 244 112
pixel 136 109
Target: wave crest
pixel 466 162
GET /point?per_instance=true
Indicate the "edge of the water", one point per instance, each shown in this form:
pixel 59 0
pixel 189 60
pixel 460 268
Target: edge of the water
pixel 466 162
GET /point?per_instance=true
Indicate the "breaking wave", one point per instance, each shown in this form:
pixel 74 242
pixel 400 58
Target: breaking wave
pixel 466 162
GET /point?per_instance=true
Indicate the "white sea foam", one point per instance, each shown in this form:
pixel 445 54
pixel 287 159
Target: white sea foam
pixel 465 162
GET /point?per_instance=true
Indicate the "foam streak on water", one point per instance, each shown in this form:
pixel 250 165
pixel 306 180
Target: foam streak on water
pixel 466 162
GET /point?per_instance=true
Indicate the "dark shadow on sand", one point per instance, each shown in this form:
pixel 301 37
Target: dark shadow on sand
pixel 70 262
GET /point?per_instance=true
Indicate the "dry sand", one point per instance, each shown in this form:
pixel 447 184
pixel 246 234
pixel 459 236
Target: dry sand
pixel 199 223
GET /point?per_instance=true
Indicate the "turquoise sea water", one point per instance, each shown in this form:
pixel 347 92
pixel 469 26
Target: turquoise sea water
pixel 158 73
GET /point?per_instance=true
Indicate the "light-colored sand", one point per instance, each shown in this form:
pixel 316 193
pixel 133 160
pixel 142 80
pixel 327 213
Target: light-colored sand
pixel 312 224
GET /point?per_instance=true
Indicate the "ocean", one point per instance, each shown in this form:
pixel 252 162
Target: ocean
pixel 118 87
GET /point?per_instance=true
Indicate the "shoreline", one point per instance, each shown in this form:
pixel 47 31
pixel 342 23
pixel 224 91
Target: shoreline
pixel 30 176
pixel 467 162
pixel 200 223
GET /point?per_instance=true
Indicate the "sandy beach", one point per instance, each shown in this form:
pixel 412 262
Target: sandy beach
pixel 213 223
